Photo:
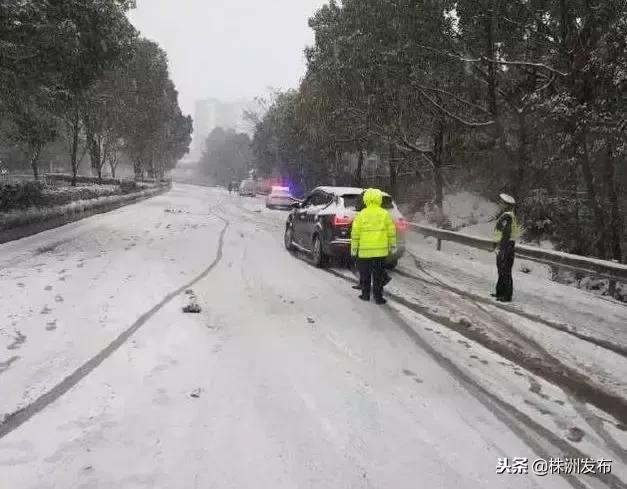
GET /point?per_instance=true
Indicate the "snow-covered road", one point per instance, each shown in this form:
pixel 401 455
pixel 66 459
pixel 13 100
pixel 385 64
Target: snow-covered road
pixel 284 380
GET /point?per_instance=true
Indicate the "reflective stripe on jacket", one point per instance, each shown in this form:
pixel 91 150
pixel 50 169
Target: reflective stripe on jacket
pixel 497 234
pixel 373 233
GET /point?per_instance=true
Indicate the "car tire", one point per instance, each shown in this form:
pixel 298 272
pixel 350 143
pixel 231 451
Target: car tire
pixel 320 260
pixel 288 238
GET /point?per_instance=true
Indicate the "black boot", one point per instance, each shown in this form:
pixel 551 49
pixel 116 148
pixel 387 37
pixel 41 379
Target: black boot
pixel 357 287
pixel 364 297
pixel 386 279
pixel 380 301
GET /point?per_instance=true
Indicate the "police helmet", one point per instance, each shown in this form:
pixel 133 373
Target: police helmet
pixel 508 199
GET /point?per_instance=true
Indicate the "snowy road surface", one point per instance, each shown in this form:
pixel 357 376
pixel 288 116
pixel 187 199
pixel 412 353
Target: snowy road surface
pixel 284 380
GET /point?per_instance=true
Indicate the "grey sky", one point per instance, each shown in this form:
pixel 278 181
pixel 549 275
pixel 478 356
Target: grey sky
pixel 229 48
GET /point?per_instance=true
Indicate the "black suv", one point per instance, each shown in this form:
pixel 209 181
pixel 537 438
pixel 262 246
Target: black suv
pixel 320 225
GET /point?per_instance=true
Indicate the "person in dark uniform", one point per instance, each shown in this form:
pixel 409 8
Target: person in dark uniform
pixel 386 276
pixel 504 235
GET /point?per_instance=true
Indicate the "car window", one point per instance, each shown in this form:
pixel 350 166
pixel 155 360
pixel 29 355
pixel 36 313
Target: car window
pixel 309 200
pixel 315 199
pixel 324 198
pixel 353 201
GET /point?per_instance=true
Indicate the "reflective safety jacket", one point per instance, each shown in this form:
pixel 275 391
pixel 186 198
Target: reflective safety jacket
pixel 373 234
pixel 506 227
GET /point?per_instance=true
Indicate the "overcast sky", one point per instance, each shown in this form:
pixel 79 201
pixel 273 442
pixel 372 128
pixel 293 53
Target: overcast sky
pixel 229 49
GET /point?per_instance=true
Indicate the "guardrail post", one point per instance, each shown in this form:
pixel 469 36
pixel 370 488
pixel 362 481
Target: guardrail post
pixel 438 246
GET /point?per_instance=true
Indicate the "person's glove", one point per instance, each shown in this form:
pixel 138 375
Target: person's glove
pixel 497 250
pixel 393 250
pixel 353 253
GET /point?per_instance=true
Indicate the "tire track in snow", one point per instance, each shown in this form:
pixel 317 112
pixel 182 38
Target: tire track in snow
pixel 541 440
pixel 549 367
pixel 564 328
pixel 16 419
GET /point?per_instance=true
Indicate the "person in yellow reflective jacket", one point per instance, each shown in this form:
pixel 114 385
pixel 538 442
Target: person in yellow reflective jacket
pixel 354 262
pixel 504 235
pixel 373 238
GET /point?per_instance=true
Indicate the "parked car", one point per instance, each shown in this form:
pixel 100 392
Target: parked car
pixel 248 188
pixel 279 198
pixel 320 225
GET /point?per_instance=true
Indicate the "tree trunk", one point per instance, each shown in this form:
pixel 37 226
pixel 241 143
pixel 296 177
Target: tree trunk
pixel 159 171
pixel 491 67
pixel 592 197
pixel 74 153
pixel 104 156
pixel 438 180
pixel 360 166
pixel 113 161
pixel 564 30
pixel 101 164
pixel 616 219
pixel 34 159
pixel 94 154
pixel 137 168
pixel 393 171
pixel 152 168
pixel 519 181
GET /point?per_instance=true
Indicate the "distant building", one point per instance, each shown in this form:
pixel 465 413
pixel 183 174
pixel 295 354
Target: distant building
pixel 211 113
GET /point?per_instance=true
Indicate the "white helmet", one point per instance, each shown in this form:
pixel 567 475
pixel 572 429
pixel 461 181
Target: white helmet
pixel 508 199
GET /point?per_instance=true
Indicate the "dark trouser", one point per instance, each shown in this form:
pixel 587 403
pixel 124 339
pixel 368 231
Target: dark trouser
pixel 371 273
pixel 504 264
pixel 355 264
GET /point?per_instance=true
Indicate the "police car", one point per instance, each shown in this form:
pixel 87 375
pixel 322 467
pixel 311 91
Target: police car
pixel 280 198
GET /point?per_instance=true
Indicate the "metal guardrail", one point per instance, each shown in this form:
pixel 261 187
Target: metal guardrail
pixel 582 264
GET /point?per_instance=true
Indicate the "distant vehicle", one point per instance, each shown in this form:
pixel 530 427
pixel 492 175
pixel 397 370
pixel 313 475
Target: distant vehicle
pixel 248 188
pixel 264 186
pixel 279 198
pixel 320 225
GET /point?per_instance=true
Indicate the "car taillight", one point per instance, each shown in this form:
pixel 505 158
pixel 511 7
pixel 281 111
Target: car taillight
pixel 341 221
pixel 401 224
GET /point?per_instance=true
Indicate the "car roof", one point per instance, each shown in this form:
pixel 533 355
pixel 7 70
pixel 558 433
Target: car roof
pixel 340 190
pixel 345 190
